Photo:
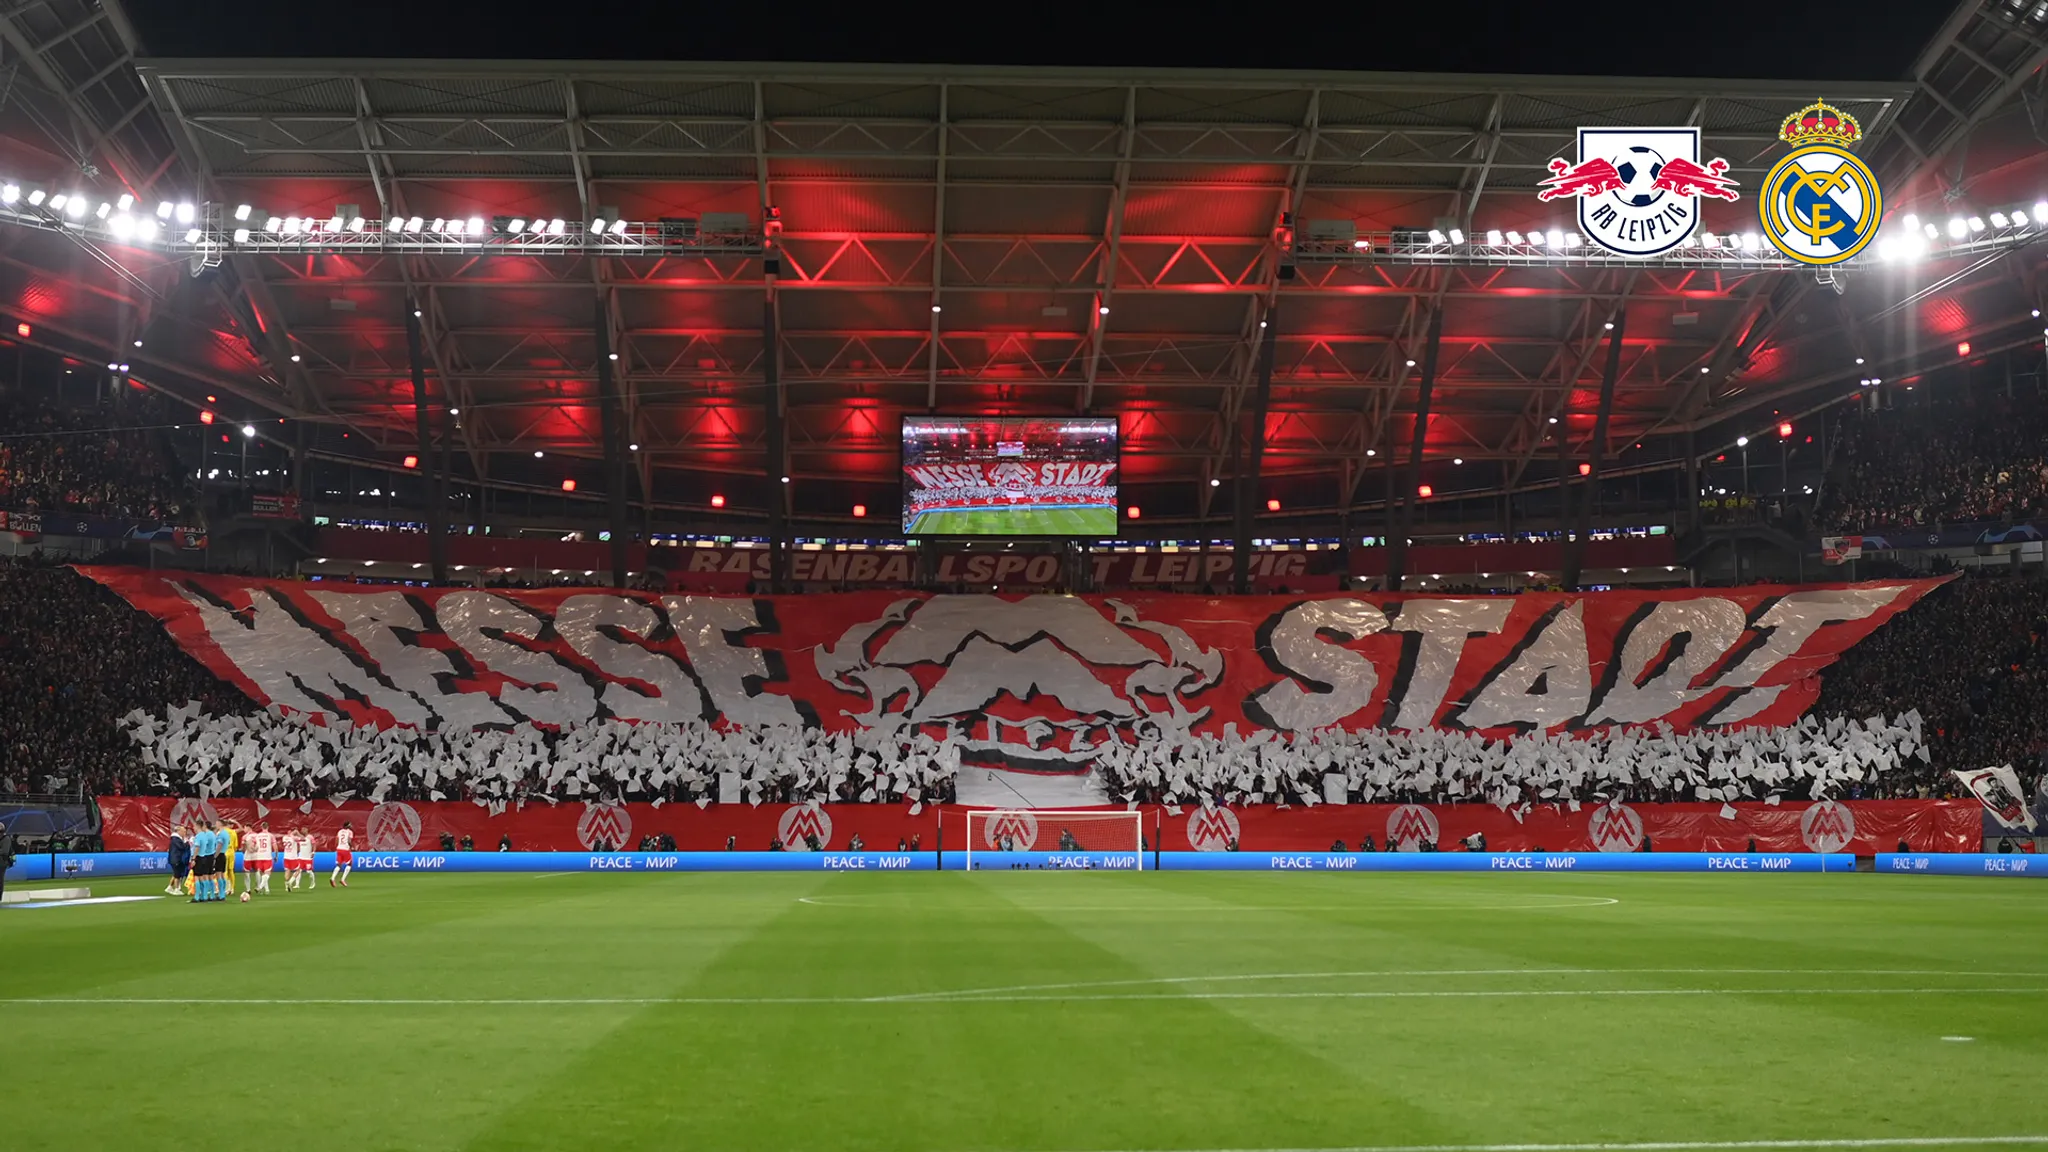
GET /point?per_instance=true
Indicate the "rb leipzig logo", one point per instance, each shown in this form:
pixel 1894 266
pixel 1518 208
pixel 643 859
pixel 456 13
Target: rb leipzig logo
pixel 1211 829
pixel 801 820
pixel 1638 189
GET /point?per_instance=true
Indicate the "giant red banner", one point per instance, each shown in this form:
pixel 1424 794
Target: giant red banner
pixel 1031 682
pixel 1861 826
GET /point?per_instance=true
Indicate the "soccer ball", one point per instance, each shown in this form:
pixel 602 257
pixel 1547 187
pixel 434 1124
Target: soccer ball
pixel 245 897
pixel 1638 168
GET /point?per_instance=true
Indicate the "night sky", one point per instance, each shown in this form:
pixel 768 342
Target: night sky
pixel 1744 39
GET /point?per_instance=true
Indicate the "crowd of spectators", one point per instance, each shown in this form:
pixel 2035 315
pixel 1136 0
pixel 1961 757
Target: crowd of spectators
pixel 74 657
pixel 1973 658
pixel 91 459
pixel 1911 466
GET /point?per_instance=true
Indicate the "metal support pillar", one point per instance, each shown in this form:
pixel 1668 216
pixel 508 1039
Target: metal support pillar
pixel 1411 476
pixel 1246 492
pixel 1689 501
pixel 437 506
pixel 778 492
pixel 612 418
pixel 1575 545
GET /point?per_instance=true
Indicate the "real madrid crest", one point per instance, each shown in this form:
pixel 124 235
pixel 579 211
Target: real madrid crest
pixel 1820 205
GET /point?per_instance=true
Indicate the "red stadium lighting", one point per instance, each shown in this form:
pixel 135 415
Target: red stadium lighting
pixel 1425 491
pixel 412 461
pixel 718 501
pixel 568 485
pixel 859 510
pixel 1963 349
pixel 1272 505
pixel 23 330
pixel 1133 512
pixel 1585 469
pixel 1785 430
pixel 206 417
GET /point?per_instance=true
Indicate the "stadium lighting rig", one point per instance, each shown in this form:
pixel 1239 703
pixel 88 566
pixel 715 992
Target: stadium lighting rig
pixel 212 230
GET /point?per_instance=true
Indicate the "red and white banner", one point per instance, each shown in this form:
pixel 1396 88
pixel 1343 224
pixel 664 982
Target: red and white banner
pixel 136 824
pixel 2002 795
pixel 1039 683
pixel 1840 549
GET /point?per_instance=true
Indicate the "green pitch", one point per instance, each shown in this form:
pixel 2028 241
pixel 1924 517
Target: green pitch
pixel 1030 1011
pixel 1017 522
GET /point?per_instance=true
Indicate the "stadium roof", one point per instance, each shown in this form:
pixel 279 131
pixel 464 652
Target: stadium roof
pixel 999 240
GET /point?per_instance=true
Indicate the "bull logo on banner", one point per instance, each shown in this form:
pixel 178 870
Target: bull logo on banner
pixel 392 827
pixel 1042 685
pixel 1410 825
pixel 801 820
pixel 1827 826
pixel 1020 827
pixel 604 822
pixel 1615 828
pixel 1211 829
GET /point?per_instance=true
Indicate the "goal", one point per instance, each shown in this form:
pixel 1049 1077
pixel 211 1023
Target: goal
pixel 1093 830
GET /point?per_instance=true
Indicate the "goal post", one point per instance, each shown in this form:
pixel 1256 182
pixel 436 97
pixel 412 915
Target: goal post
pixel 1091 831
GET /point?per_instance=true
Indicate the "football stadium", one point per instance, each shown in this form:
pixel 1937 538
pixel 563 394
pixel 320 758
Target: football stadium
pixel 1467 580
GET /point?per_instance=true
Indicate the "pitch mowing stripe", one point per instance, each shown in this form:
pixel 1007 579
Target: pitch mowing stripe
pixel 1673 1145
pixel 899 1002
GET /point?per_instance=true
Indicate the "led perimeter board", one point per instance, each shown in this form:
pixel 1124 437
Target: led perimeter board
pixel 1009 476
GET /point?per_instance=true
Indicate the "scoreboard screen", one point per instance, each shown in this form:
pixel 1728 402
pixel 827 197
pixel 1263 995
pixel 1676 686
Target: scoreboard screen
pixel 1009 476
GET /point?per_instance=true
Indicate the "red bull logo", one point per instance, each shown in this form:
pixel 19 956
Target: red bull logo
pixel 1020 827
pixel 1410 825
pixel 1211 829
pixel 392 827
pixel 1827 826
pixel 604 822
pixel 1638 189
pixel 802 820
pixel 1615 828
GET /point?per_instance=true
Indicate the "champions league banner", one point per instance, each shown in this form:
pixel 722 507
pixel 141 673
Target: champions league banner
pixel 1864 827
pixel 1028 683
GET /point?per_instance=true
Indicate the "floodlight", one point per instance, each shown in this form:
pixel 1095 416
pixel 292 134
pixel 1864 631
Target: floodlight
pixel 101 211
pixel 124 202
pixel 1998 219
pixel 1457 236
pixel 192 235
pixel 1435 237
pixel 241 235
pixel 1514 238
pixel 186 213
pixel 123 226
pixel 2019 218
pixel 476 226
pixel 1976 223
pixel 145 230
pixel 1494 237
pixel 356 224
pixel 516 226
pixel 1958 227
pixel 163 210
pixel 618 227
pixel 1555 238
pixel 555 226
pixel 242 211
pixel 35 196
pixel 334 223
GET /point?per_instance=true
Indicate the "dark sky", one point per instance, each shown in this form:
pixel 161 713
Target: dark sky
pixel 1748 39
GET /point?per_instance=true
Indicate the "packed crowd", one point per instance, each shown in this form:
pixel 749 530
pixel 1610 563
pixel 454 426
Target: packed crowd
pixel 1972 656
pixel 280 756
pixel 1910 466
pixel 74 658
pixel 91 460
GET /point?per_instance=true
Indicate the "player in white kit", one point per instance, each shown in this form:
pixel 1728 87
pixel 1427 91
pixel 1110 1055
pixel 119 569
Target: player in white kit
pixel 258 847
pixel 344 856
pixel 298 859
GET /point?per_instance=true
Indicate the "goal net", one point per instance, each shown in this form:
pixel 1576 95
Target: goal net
pixel 1092 831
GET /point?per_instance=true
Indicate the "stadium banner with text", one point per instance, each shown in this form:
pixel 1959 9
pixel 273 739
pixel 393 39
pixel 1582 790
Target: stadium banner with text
pixel 144 823
pixel 1035 684
pixel 730 568
pixel 1963 864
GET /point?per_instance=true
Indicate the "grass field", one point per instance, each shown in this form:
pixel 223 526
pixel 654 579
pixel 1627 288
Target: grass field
pixel 1030 1011
pixel 1017 522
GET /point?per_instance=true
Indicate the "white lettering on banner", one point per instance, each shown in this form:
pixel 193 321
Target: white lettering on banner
pixel 1653 676
pixel 1445 626
pixel 1343 681
pixel 385 624
pixel 1547 683
pixel 293 665
pixel 602 629
pixel 1511 863
pixel 542 689
pixel 710 628
pixel 1787 625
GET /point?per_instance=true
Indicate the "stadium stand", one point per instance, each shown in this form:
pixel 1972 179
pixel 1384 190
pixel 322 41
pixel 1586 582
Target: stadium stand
pixel 1911 466
pixel 91 459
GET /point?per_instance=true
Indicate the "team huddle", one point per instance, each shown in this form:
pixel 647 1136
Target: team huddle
pixel 204 859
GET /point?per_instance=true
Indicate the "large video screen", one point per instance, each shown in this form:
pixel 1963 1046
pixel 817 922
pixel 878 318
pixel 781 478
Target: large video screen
pixel 1009 476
